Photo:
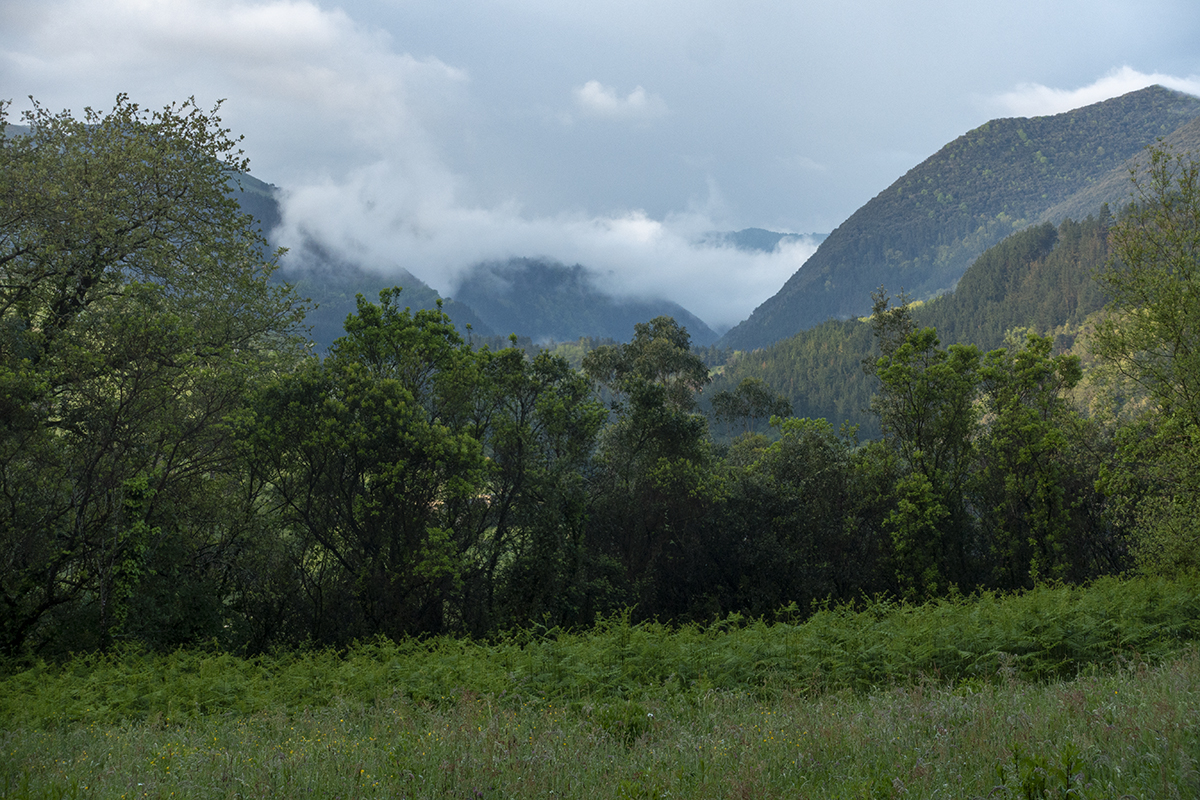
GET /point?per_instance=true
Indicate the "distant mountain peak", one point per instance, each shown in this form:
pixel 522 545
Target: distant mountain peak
pixel 757 239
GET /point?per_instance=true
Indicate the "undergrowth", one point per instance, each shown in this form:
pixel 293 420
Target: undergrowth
pixel 1044 634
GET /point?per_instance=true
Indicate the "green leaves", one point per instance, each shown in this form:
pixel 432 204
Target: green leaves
pixel 1025 482
pixel 135 310
pixel 1152 338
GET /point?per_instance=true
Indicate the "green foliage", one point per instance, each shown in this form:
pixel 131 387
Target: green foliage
pixel 1152 338
pixel 789 521
pixel 926 407
pixel 364 464
pixel 135 313
pixel 751 402
pixel 1112 733
pixel 1044 634
pixel 653 482
pixel 1026 476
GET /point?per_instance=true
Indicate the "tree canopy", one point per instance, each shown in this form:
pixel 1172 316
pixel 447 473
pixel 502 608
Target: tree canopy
pixel 135 309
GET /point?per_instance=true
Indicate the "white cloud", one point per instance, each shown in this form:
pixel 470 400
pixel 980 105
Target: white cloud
pixel 1034 99
pixel 301 80
pixel 596 99
pixel 385 217
pixel 802 164
pixel 355 130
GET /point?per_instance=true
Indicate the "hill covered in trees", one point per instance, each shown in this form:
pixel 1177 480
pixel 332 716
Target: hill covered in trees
pixel 547 300
pixel 923 231
pixel 1039 278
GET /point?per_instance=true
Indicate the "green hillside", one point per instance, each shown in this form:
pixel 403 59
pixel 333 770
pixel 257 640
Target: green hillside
pixel 1114 187
pixel 1039 278
pixel 923 231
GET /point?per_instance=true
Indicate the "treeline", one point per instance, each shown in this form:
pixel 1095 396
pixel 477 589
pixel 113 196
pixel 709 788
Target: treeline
pixel 177 468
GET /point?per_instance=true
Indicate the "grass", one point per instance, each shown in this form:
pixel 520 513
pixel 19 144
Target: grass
pixel 1125 732
pixel 1058 693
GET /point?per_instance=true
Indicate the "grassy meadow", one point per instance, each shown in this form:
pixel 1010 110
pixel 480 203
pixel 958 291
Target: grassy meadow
pixel 1059 692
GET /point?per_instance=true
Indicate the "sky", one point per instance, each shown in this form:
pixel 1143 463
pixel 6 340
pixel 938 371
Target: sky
pixel 432 134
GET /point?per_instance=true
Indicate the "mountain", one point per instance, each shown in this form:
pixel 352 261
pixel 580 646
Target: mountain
pixel 758 239
pixel 332 286
pixel 923 231
pixel 534 298
pixel 1040 278
pixel 544 299
pixel 1114 187
pixel 258 199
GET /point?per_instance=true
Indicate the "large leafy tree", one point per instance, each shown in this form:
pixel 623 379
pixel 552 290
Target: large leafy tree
pixel 653 478
pixel 135 309
pixel 1028 492
pixel 1152 339
pixel 926 407
pixel 370 470
pixel 526 557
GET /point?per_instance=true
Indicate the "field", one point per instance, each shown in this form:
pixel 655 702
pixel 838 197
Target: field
pixel 1091 692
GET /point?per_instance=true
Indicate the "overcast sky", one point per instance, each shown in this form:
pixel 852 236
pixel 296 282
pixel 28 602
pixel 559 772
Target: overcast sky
pixel 430 134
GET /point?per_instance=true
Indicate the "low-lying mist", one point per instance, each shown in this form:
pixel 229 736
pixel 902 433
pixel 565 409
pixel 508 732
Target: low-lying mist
pixel 387 217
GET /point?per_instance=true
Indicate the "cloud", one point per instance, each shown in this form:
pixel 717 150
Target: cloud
pixel 800 163
pixel 303 82
pixel 387 218
pixel 1034 99
pixel 357 131
pixel 597 100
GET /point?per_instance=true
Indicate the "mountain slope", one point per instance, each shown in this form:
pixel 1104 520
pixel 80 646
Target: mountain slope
pixel 544 299
pixel 1040 278
pixel 923 231
pixel 1114 187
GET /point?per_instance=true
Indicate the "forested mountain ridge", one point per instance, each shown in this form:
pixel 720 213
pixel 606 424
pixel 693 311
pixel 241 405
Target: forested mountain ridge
pixel 1114 187
pixel 923 231
pixel 1040 278
pixel 544 299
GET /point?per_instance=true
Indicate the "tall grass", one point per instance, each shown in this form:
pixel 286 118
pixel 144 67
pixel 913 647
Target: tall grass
pixel 1044 634
pixel 1061 692
pixel 1126 731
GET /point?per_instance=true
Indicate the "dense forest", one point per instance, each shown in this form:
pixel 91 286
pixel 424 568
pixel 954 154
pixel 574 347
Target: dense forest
pixel 925 229
pixel 178 467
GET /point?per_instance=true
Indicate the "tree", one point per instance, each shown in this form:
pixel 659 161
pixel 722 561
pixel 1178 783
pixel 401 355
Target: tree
pixel 789 509
pixel 372 468
pixel 1026 481
pixel 659 354
pixel 527 560
pixel 926 409
pixel 653 477
pixel 1152 335
pixel 135 310
pixel 750 402
pixel 1152 339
